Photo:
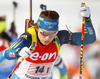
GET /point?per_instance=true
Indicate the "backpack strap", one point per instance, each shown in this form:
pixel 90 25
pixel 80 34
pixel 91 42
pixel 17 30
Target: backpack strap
pixel 57 42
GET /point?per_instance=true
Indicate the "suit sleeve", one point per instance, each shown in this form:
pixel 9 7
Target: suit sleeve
pixel 89 35
pixel 23 41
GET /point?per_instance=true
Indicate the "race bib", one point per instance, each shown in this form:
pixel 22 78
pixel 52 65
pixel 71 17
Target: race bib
pixel 40 69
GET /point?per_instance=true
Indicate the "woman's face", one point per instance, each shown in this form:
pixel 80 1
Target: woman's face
pixel 46 36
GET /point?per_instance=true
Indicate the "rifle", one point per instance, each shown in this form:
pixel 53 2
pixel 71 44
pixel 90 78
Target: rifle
pixel 29 22
pixel 43 7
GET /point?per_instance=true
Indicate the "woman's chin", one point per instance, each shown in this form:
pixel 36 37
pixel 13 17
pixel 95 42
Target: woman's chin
pixel 46 42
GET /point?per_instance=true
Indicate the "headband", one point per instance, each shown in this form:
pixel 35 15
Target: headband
pixel 48 24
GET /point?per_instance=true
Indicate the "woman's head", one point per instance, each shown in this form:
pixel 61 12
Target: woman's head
pixel 48 26
pixel 48 20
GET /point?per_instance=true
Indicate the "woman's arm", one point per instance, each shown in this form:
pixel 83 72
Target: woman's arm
pixel 12 52
pixel 89 35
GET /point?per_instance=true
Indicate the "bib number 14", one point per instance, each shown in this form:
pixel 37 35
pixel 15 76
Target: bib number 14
pixel 40 69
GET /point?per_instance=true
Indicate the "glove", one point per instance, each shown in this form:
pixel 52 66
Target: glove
pixel 85 11
pixel 24 52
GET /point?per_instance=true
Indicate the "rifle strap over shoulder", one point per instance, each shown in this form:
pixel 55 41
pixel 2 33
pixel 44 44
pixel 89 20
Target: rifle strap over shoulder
pixel 32 31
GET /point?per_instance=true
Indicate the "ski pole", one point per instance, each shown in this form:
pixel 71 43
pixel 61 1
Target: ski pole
pixel 15 68
pixel 15 6
pixel 20 61
pixel 82 40
pixel 27 25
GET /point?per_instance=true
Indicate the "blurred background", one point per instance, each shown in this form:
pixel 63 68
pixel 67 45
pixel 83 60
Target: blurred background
pixel 69 11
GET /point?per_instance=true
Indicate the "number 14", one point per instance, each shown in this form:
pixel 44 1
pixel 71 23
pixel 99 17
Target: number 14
pixel 41 69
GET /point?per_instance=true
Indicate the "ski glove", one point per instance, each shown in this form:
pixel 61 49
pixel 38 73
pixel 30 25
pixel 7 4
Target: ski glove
pixel 85 11
pixel 25 52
